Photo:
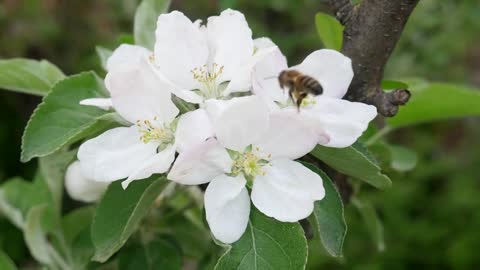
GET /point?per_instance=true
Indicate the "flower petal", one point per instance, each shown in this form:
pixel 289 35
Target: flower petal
pixel 288 136
pixel 242 79
pixel 342 120
pixel 265 75
pixel 287 191
pixel 332 69
pixel 200 164
pixel 114 154
pixel 227 207
pixel 193 128
pixel 230 42
pixel 238 122
pixel 159 163
pixel 138 94
pixel 81 188
pixel 180 47
pixel 102 103
pixel 126 56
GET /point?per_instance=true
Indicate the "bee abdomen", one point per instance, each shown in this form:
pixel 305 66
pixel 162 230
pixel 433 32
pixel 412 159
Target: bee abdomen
pixel 312 85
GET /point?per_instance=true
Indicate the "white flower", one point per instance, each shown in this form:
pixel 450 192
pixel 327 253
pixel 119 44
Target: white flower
pixel 148 146
pixel 341 121
pixel 204 62
pixel 261 148
pixel 80 187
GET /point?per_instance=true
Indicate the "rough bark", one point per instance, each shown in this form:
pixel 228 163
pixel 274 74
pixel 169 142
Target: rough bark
pixel 372 28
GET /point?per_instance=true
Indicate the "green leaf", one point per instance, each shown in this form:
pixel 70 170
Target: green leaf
pixel 60 119
pixel 402 158
pixel 6 263
pixel 52 168
pixel 35 236
pixel 354 161
pixel 28 76
pixel 330 31
pixel 76 221
pixel 119 213
pixel 328 216
pixel 390 85
pixel 437 101
pixel 159 254
pixel 103 55
pixel 373 223
pixel 146 21
pixel 18 196
pixel 267 244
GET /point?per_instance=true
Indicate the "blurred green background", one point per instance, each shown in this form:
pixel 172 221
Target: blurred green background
pixel 430 215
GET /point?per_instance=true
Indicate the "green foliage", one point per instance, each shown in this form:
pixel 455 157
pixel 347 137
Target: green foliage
pixel 60 119
pixel 158 254
pixel 437 101
pixel 389 85
pixel 6 263
pixel 146 21
pixel 354 161
pixel 53 168
pixel 373 223
pixel 119 213
pixel 330 31
pixel 267 244
pixel 328 217
pixel 28 76
pixel 403 159
pixel 103 55
pixel 36 237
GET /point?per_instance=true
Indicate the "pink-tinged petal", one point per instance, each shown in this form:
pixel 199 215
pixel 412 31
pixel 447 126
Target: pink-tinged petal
pixel 230 42
pixel 81 188
pixel 200 164
pixel 265 75
pixel 126 56
pixel 102 103
pixel 238 122
pixel 115 154
pixel 179 48
pixel 138 95
pixel 227 207
pixel 288 136
pixel 287 191
pixel 342 120
pixel 158 163
pixel 332 69
pixel 193 128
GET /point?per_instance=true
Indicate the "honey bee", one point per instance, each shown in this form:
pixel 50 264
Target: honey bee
pixel 299 85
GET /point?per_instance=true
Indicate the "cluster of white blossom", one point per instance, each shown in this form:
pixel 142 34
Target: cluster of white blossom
pixel 245 135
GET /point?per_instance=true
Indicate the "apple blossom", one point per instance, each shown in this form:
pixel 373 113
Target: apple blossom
pixel 252 148
pixel 202 62
pixel 341 120
pixel 81 188
pixel 149 143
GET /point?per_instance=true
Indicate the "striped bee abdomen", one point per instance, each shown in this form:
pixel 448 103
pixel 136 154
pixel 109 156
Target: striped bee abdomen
pixel 311 85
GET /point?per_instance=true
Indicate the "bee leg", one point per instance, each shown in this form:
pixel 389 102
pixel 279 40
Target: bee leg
pixel 300 98
pixel 290 93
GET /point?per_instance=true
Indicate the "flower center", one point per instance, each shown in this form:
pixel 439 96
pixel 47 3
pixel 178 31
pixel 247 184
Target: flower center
pixel 159 133
pixel 208 78
pixel 250 163
pixel 307 101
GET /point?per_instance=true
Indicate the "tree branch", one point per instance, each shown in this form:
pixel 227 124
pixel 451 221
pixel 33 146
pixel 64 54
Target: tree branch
pixel 372 30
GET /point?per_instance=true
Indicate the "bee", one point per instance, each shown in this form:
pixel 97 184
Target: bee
pixel 299 85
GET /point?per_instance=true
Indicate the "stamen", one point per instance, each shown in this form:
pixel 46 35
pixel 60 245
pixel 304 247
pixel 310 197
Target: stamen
pixel 208 77
pixel 150 132
pixel 250 163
